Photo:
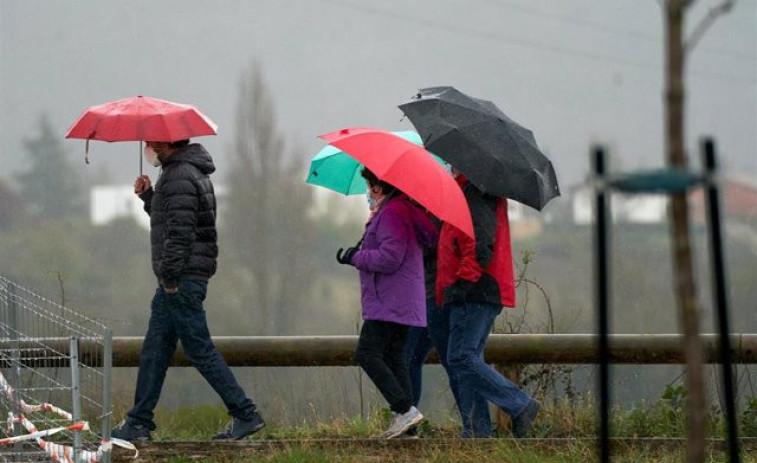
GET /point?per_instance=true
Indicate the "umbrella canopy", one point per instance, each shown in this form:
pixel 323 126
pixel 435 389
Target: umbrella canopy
pixel 494 152
pixel 141 118
pixel 334 169
pixel 408 167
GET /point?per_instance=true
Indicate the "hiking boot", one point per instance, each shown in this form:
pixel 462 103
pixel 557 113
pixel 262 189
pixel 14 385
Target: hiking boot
pixel 239 429
pixel 131 432
pixel 402 422
pixel 522 423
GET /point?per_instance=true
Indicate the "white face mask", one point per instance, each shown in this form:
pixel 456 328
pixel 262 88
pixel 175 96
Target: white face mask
pixel 152 157
pixel 371 200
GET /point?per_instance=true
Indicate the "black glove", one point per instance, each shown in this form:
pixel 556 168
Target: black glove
pixel 346 258
pixel 455 293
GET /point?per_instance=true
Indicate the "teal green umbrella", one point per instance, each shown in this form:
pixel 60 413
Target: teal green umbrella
pixel 336 170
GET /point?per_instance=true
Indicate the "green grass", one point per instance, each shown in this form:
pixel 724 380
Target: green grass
pixel 575 420
pixel 503 451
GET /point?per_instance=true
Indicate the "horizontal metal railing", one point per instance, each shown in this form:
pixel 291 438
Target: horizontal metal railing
pixel 292 351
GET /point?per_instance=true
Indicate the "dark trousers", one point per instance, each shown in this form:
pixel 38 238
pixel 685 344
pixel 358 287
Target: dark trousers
pixel 181 317
pixel 380 353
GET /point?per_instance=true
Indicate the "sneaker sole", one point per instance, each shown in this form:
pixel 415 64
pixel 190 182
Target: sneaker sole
pixel 139 442
pixel 253 431
pixel 409 425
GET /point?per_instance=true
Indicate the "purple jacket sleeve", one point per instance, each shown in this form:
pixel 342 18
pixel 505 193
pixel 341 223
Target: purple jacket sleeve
pixel 392 235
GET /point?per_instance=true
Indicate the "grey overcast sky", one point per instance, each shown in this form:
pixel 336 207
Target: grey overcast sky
pixel 574 71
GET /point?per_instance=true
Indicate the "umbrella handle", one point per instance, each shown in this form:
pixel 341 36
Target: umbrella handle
pixel 140 158
pixel 428 138
pixel 86 151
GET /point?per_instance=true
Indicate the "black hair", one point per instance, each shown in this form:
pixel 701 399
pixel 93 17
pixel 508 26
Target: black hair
pixel 179 143
pixel 373 181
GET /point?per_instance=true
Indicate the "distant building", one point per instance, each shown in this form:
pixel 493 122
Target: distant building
pixel 624 208
pixel 110 202
pixel 340 208
pixel 739 198
pixel 524 221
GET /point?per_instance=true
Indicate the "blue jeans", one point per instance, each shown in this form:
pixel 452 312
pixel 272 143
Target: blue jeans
pixel 477 420
pixel 417 349
pixel 470 325
pixel 181 317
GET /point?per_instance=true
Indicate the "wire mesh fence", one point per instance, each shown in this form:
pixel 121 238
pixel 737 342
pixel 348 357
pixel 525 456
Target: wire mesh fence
pixel 55 370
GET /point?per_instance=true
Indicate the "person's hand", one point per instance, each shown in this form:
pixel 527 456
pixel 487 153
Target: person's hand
pixel 346 258
pixel 170 287
pixel 142 184
pixel 456 293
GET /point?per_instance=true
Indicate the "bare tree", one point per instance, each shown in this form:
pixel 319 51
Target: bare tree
pixel 675 51
pixel 267 215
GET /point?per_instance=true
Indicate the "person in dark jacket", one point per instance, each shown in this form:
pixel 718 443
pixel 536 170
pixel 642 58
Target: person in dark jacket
pixel 390 261
pixel 183 237
pixel 474 281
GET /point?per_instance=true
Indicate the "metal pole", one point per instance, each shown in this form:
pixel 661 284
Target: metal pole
pixel 720 292
pixel 602 301
pixel 75 392
pixel 15 370
pixel 107 380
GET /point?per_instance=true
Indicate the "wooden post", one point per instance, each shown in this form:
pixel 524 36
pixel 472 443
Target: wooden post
pixel 683 266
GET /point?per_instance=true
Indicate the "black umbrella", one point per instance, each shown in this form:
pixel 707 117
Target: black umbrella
pixel 494 152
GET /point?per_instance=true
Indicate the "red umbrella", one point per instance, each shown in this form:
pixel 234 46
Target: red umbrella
pixel 141 118
pixel 408 167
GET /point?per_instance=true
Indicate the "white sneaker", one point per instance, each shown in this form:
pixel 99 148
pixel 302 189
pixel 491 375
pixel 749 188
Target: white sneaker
pixel 402 422
pixel 383 434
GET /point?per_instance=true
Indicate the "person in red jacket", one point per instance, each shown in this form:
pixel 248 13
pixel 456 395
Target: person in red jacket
pixel 475 279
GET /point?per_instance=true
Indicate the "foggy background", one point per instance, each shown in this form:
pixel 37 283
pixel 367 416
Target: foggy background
pixel 576 72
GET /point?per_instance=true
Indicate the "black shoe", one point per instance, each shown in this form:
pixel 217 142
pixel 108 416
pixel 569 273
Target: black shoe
pixel 522 423
pixel 131 432
pixel 239 429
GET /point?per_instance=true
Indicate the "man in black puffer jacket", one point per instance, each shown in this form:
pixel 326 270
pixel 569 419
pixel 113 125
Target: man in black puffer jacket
pixel 183 237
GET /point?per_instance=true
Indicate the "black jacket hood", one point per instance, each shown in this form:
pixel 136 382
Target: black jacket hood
pixel 195 154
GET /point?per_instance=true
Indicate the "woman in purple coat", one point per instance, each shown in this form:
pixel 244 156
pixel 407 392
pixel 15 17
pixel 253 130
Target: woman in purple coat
pixel 390 260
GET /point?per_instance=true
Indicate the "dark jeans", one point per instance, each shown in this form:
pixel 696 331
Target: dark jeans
pixel 417 349
pixel 476 419
pixel 380 353
pixel 181 317
pixel 470 326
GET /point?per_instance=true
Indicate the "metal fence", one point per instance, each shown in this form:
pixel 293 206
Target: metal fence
pixel 57 407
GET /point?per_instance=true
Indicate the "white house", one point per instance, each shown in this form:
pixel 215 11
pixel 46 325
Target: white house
pixel 645 209
pixel 110 202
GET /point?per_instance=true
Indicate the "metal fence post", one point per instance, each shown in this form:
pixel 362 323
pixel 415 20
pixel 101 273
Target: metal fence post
pixel 107 380
pixel 602 297
pixel 75 391
pixel 15 370
pixel 720 292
